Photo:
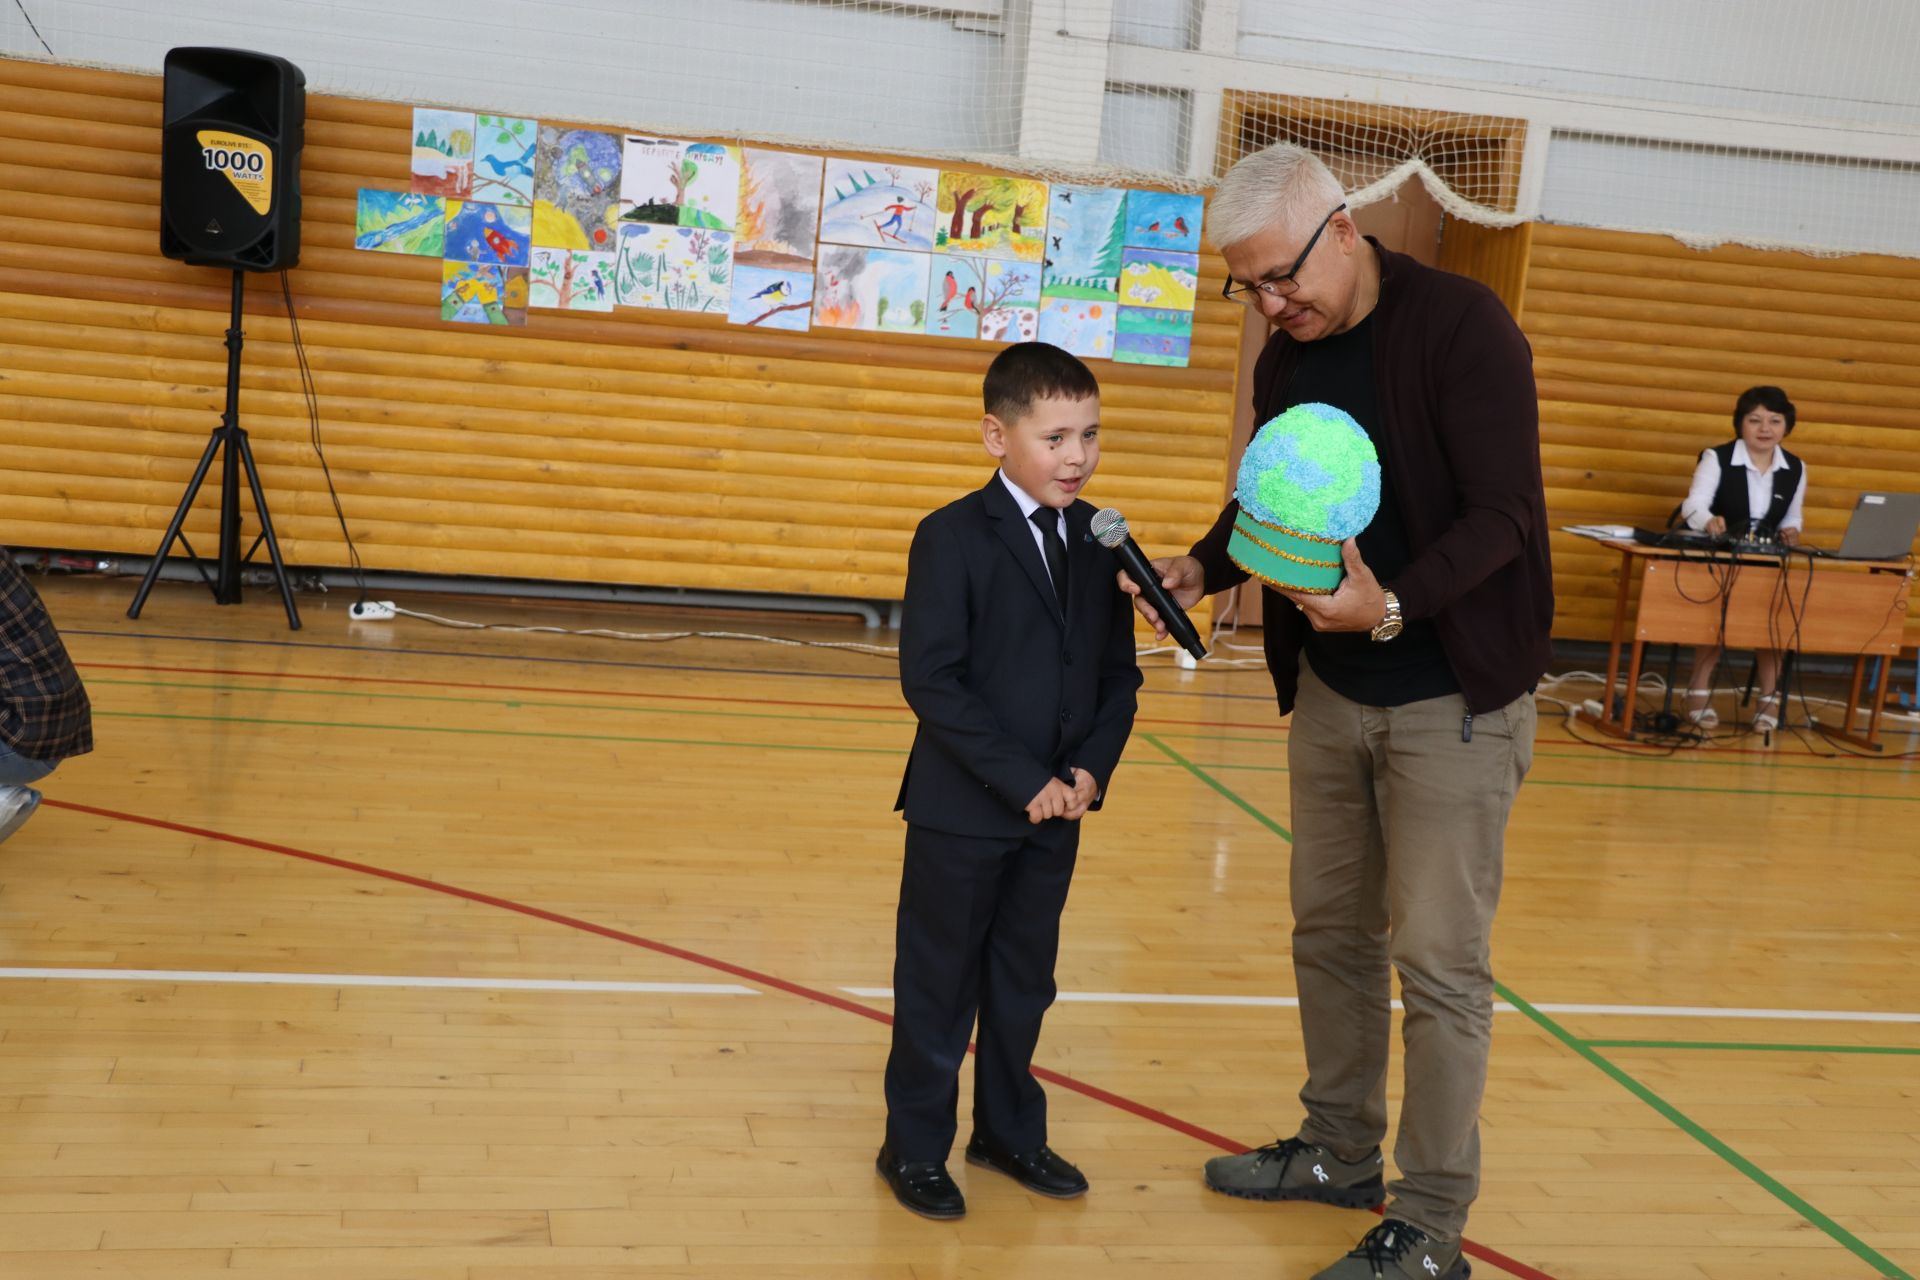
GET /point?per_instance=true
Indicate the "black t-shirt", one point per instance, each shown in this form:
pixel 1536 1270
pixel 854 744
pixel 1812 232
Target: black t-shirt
pixel 1338 370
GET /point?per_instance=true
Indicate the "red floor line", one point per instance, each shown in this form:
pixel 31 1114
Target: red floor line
pixel 827 998
pixel 900 709
pixel 1276 730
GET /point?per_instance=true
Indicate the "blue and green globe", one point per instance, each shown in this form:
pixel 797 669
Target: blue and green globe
pixel 1309 480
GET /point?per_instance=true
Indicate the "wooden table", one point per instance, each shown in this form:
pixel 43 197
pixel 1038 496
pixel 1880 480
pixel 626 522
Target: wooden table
pixel 1852 607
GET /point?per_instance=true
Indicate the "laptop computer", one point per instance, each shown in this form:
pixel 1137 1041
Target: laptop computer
pixel 1882 527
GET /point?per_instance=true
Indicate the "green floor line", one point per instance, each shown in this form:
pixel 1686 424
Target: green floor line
pixel 1752 1171
pixel 1634 786
pixel 1218 786
pixel 1891 1050
pixel 531 734
pixel 1156 738
pixel 459 700
pixel 898 753
pixel 1702 759
pixel 902 721
pixel 1773 1186
pixel 1715 791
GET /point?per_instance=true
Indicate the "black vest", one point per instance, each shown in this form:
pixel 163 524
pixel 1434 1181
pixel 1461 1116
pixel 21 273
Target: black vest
pixel 1730 502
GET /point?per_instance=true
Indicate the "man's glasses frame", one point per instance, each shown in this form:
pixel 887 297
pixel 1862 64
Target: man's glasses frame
pixel 1281 286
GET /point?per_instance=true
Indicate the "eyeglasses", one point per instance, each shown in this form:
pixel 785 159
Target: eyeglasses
pixel 1282 286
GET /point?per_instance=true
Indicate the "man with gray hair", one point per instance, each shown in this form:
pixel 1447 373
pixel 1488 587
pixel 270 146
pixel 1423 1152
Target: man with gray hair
pixel 1411 690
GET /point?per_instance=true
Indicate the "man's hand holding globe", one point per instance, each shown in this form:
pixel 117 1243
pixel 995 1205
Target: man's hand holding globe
pixel 1310 481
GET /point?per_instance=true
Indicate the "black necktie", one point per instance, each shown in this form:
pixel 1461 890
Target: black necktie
pixel 1047 521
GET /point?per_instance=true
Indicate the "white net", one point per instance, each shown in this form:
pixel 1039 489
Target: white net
pixel 1789 123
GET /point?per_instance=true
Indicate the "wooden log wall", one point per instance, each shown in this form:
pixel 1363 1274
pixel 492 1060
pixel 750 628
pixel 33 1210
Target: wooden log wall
pixel 1641 345
pixel 1495 256
pixel 637 447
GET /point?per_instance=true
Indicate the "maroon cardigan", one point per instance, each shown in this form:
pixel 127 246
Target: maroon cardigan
pixel 1459 432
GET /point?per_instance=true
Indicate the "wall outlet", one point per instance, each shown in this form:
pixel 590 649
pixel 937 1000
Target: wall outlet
pixel 371 610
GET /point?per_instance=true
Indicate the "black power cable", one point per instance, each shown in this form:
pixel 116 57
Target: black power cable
pixel 310 389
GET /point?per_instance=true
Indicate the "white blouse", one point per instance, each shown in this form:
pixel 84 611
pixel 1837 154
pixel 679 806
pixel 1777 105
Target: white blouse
pixel 1706 482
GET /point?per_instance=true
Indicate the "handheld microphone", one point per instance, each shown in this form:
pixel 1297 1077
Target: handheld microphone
pixel 1110 531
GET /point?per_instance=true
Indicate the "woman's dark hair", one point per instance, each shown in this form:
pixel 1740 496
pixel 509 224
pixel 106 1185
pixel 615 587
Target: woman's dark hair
pixel 1762 398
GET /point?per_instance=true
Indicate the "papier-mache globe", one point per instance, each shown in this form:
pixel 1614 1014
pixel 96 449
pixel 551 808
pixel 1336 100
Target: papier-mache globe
pixel 1309 480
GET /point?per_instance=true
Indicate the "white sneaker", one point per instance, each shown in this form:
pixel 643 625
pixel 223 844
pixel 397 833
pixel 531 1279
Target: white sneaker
pixel 16 806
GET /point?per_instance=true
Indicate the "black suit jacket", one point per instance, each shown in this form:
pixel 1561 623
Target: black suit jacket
pixel 1008 691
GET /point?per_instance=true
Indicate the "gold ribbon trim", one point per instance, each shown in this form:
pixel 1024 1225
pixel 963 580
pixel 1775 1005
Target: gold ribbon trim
pixel 1288 555
pixel 1292 533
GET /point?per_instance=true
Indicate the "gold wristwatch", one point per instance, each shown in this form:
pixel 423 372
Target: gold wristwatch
pixel 1391 625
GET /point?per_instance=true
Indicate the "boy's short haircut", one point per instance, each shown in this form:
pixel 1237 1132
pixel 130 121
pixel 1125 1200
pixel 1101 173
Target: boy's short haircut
pixel 1027 372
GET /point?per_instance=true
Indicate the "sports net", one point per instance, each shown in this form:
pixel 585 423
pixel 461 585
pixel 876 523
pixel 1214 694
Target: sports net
pixel 1788 123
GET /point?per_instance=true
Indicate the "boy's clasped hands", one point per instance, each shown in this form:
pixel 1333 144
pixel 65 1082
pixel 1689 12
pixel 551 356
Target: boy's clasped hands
pixel 1058 800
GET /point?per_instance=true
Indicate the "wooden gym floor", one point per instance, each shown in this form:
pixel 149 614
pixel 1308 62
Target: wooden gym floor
pixel 385 950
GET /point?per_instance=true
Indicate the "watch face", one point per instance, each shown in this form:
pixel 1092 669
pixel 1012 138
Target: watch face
pixel 1387 630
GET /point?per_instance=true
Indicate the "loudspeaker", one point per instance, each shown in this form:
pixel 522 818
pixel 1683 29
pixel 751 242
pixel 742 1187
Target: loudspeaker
pixel 233 123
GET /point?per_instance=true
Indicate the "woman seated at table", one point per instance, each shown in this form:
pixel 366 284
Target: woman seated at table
pixel 1749 487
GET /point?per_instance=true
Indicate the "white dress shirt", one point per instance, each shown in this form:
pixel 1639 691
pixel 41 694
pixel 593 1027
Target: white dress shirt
pixel 1706 483
pixel 1027 507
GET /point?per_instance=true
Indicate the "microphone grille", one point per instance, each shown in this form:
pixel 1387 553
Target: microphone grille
pixel 1109 527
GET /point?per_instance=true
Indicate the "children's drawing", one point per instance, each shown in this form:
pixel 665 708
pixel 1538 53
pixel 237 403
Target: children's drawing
pixel 878 205
pixel 1164 220
pixel 503 152
pixel 514 293
pixel 1086 230
pixel 992 216
pixel 651 181
pixel 710 186
pixel 779 210
pixel 1153 335
pixel 955 297
pixel 1084 326
pixel 673 268
pixel 879 290
pixel 400 222
pixel 570 280
pixel 1010 311
pixel 771 297
pixel 442 163
pixel 576 190
pixel 497 233
pixel 483 293
pixel 1149 278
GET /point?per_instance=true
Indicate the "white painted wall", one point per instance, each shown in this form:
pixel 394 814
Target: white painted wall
pixel 1713 196
pixel 1144 131
pixel 910 81
pixel 1846 60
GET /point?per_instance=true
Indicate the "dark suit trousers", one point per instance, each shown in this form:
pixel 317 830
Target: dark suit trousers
pixel 977 933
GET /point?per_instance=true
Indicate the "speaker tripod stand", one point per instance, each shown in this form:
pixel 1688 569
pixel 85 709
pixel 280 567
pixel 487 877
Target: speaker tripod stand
pixel 230 443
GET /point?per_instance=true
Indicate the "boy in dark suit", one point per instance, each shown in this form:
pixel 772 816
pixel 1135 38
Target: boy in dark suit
pixel 1017 655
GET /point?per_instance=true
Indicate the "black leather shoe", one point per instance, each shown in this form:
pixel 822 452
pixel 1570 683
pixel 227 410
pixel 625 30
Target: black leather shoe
pixel 921 1185
pixel 1040 1170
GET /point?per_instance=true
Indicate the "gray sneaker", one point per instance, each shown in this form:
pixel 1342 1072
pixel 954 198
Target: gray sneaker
pixel 1395 1251
pixel 16 806
pixel 1294 1170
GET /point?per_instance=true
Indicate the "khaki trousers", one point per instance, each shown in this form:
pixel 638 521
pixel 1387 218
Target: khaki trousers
pixel 1398 828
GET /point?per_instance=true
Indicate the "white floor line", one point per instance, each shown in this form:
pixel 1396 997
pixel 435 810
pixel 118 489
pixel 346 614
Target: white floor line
pixel 1499 1006
pixel 379 980
pixel 886 993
